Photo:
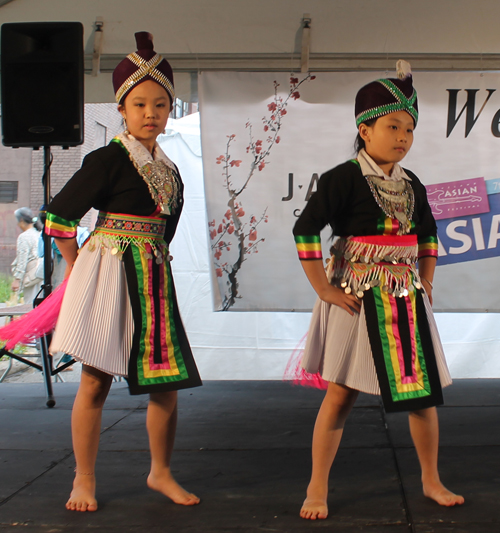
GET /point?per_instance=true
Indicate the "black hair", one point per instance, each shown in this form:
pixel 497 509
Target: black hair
pixel 359 142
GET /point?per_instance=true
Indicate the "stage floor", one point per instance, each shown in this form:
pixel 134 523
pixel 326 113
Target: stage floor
pixel 244 448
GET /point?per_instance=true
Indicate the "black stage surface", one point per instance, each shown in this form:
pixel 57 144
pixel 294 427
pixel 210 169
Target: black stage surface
pixel 244 447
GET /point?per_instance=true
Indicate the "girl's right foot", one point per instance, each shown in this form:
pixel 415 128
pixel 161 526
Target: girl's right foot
pixel 82 497
pixel 313 509
pixel 163 481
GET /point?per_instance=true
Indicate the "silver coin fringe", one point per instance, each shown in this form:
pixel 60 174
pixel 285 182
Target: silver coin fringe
pixel 357 267
pixel 117 244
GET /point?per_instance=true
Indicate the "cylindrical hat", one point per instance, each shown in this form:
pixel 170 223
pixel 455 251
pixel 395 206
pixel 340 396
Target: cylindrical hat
pixel 145 64
pixel 381 97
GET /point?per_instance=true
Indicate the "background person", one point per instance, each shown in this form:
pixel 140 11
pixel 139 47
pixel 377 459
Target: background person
pixel 24 266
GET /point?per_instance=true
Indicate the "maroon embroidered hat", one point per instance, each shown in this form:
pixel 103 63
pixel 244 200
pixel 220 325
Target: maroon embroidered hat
pixel 145 64
pixel 381 97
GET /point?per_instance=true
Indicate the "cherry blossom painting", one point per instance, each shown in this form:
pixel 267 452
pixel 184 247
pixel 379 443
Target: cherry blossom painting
pixel 238 234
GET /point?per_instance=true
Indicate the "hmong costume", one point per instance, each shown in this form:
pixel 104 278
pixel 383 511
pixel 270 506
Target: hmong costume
pixel 392 347
pixel 120 312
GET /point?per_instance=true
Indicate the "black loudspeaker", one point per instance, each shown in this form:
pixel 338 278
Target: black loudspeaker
pixel 42 83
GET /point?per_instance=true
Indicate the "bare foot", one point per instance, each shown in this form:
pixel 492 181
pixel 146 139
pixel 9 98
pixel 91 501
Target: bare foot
pixel 438 492
pixel 82 497
pixel 166 484
pixel 313 509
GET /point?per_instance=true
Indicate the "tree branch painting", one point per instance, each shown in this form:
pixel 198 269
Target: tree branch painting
pixel 238 235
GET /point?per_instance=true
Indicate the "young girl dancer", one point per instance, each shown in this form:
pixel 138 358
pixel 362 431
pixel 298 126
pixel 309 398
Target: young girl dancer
pixel 119 315
pixel 372 328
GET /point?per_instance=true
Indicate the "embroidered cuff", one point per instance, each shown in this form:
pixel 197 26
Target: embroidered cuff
pixel 308 246
pixel 60 227
pixel 428 247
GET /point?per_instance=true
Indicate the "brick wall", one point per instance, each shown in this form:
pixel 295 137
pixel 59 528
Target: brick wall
pixel 102 123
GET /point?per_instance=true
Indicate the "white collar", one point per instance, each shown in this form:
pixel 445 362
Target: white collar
pixel 370 168
pixel 141 154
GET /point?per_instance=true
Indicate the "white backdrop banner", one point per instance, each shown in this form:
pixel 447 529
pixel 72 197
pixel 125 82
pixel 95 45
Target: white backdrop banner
pixel 266 139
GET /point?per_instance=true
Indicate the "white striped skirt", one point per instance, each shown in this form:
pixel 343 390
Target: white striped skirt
pixel 95 323
pixel 339 349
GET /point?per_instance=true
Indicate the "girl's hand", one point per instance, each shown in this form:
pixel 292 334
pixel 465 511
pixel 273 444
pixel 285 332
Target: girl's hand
pixel 337 296
pixel 15 285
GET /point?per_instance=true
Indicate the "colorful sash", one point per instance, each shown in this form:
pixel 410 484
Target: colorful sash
pixel 402 350
pixel 381 270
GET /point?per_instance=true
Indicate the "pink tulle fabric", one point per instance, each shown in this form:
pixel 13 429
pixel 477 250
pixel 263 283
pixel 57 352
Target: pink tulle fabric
pixel 35 324
pixel 295 374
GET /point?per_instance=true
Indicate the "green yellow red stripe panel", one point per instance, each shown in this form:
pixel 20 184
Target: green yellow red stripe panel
pixel 59 227
pixel 308 246
pixel 428 247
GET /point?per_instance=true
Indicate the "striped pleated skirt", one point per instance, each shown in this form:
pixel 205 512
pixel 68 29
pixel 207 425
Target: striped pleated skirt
pixel 338 347
pixel 120 313
pixel 95 323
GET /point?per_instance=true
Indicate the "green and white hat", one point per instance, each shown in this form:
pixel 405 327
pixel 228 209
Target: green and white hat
pixel 381 97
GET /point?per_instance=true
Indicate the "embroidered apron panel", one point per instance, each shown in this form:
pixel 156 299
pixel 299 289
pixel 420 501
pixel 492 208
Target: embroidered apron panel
pixel 402 349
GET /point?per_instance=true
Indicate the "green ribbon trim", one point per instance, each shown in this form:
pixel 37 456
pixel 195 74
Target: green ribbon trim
pixel 307 239
pixel 62 221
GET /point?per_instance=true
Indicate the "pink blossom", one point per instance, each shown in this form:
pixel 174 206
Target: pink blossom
pixel 258 150
pixel 313 77
pixel 235 162
pixel 294 81
pixel 228 214
pixel 278 139
pixel 262 165
pixel 283 112
pixel 253 220
pixel 219 229
pixel 240 212
pixel 252 236
pixel 230 229
pixel 220 159
pixel 272 106
pixel 213 234
pixel 218 271
pixel 258 143
pixel 295 95
pixel 218 254
pixel 266 127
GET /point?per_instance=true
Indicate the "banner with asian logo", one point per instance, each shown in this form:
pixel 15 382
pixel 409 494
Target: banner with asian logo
pixel 267 137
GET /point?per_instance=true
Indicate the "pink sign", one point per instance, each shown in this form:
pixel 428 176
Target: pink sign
pixel 458 198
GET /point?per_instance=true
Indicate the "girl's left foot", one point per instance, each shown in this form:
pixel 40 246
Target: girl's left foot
pixel 438 492
pixel 165 483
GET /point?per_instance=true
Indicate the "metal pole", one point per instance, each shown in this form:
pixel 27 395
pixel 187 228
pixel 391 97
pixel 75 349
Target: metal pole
pixel 47 287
